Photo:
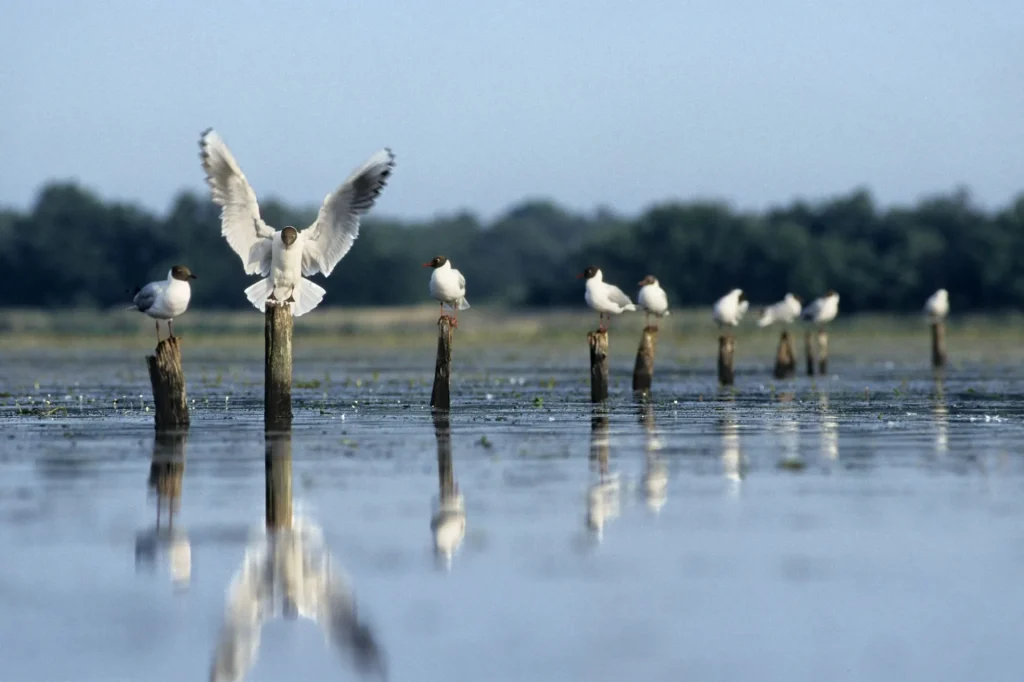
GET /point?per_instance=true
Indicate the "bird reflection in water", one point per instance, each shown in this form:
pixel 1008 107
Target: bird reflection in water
pixel 940 414
pixel 654 484
pixel 732 458
pixel 165 479
pixel 603 494
pixel 288 572
pixel 448 518
pixel 829 430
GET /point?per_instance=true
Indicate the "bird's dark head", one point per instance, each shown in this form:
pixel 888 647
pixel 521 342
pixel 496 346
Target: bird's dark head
pixel 649 279
pixel 798 299
pixel 591 271
pixel 289 235
pixel 436 262
pixel 743 296
pixel 830 293
pixel 182 273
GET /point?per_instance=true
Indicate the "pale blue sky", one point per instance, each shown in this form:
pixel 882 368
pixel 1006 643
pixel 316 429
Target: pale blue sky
pixel 588 102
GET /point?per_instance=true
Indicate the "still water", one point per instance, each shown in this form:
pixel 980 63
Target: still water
pixel 863 526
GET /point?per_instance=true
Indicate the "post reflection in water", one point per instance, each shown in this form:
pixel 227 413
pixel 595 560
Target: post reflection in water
pixel 287 571
pixel 448 518
pixel 166 472
pixel 654 484
pixel 789 433
pixel 829 429
pixel 732 458
pixel 940 413
pixel 603 494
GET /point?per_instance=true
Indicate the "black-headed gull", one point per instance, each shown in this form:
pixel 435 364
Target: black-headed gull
pixel 785 311
pixel 166 299
pixel 285 258
pixel 447 286
pixel 730 309
pixel 606 299
pixel 652 298
pixel 937 306
pixel 822 310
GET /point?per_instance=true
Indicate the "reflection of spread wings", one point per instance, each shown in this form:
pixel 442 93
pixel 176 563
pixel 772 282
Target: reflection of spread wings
pixel 296 563
pixel 246 609
pixel 323 594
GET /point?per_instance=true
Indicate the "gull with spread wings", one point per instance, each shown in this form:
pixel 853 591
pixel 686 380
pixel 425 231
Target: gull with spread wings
pixel 285 258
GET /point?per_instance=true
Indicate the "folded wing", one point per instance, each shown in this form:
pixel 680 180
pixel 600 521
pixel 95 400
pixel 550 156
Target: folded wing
pixel 328 239
pixel 240 221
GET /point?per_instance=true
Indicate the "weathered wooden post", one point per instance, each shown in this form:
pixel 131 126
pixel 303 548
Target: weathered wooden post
pixel 643 370
pixel 938 344
pixel 278 480
pixel 809 353
pixel 168 380
pixel 277 389
pixel 822 351
pixel 785 358
pixel 440 396
pixel 726 357
pixel 598 341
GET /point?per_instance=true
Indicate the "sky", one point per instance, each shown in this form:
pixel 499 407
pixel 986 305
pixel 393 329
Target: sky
pixel 586 102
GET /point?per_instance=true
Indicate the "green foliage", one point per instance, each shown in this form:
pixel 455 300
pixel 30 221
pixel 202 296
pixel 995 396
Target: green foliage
pixel 74 249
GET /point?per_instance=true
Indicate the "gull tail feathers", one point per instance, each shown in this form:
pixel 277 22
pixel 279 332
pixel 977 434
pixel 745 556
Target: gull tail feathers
pixel 629 306
pixel 259 293
pixel 307 296
pixel 463 305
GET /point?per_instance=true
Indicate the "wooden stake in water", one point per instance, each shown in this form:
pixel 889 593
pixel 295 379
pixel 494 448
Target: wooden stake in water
pixel 643 370
pixel 278 480
pixel 440 396
pixel 277 390
pixel 168 380
pixel 598 341
pixel 822 351
pixel 726 356
pixel 809 352
pixel 785 358
pixel 938 344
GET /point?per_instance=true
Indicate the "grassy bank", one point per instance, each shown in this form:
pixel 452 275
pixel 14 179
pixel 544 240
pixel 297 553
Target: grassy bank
pixel 686 333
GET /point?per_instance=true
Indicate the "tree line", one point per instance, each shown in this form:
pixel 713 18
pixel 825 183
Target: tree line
pixel 72 248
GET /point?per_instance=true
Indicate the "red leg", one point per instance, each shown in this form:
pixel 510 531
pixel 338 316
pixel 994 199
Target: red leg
pixel 157 323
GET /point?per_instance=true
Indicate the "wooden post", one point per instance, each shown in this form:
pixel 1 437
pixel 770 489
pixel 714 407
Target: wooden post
pixel 440 396
pixel 938 344
pixel 809 352
pixel 168 380
pixel 643 370
pixel 822 352
pixel 726 353
pixel 166 471
pixel 598 341
pixel 277 389
pixel 278 480
pixel 785 358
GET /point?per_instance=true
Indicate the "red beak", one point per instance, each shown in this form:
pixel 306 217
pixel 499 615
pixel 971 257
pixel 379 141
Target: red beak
pixel 427 265
pixel 579 276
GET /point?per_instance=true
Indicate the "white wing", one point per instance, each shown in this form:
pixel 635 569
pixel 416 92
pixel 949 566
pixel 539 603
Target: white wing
pixel 616 296
pixel 329 238
pixel 240 221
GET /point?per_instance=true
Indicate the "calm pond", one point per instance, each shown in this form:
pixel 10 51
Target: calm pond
pixel 862 526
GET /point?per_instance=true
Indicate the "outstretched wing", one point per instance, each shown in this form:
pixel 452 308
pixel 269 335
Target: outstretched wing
pixel 240 221
pixel 246 610
pixel 328 239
